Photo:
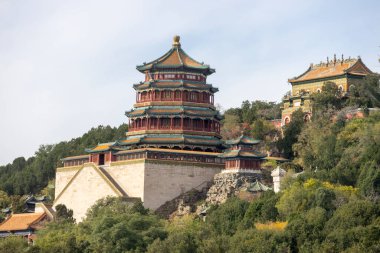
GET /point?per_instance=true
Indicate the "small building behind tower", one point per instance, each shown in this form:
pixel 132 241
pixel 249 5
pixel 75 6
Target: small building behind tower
pixel 345 73
pixel 242 156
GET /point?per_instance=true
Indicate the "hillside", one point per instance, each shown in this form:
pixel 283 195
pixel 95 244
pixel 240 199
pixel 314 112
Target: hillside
pixel 31 175
pixel 333 206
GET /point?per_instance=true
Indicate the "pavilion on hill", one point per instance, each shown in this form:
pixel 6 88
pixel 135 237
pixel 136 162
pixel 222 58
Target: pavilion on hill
pixel 345 73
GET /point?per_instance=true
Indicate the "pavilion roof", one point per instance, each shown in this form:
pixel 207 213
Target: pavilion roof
pixel 78 157
pixel 168 151
pixel 234 153
pixel 22 221
pixel 175 84
pixel 333 68
pixel 243 140
pixel 171 139
pixel 257 186
pixel 175 58
pixel 101 147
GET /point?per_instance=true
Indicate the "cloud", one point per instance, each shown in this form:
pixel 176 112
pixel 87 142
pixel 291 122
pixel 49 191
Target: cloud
pixel 67 66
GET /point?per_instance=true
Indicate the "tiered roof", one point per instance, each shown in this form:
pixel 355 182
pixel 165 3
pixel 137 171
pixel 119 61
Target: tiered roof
pixel 333 68
pixel 175 58
pixel 173 110
pixel 235 153
pixel 242 153
pixel 243 140
pixel 175 84
pixel 164 139
pixel 171 139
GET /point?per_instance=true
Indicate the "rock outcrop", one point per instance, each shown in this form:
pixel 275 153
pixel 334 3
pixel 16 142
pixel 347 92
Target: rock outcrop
pixel 229 184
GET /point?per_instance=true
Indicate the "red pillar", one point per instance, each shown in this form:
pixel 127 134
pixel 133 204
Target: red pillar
pixel 171 123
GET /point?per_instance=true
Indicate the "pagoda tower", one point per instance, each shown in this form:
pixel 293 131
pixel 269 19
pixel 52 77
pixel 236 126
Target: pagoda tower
pixel 174 105
pixel 173 144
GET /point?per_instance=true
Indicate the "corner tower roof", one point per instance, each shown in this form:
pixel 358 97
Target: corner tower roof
pixel 175 58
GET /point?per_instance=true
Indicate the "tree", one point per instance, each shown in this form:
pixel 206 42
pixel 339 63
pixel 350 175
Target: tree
pixel 328 98
pixel 231 127
pixel 315 147
pixel 365 94
pixel 64 214
pixel 112 225
pixel 262 209
pixel 13 244
pixel 25 176
pixel 291 132
pixel 225 219
pixel 5 201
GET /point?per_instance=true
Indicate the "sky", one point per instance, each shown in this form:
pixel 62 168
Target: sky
pixel 67 66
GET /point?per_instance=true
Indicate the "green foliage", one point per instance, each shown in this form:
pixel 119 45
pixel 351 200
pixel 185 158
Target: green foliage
pixel 291 132
pixel 5 201
pixel 60 237
pixel 342 152
pixel 250 119
pixel 32 175
pixel 14 245
pixel 225 219
pixel 315 147
pixel 182 242
pixel 64 214
pixel 262 210
pixel 322 217
pixel 259 242
pixel 112 225
pixel 365 94
pixel 302 196
pixel 328 98
pixel 353 214
pixel 231 127
pixel 262 128
pixel 369 179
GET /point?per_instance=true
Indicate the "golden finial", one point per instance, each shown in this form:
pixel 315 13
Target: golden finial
pixel 176 41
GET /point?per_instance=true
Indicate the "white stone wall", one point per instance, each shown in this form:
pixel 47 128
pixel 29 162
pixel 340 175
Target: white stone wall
pixel 155 182
pixel 129 176
pixel 165 181
pixel 87 187
pixel 63 177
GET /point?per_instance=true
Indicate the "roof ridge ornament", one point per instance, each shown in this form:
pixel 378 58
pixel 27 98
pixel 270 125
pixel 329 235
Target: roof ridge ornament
pixel 176 42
